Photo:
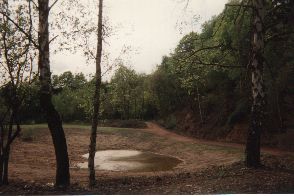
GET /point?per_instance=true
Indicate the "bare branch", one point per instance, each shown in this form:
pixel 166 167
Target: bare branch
pixel 35 4
pixel 53 4
pixel 53 39
pixel 20 29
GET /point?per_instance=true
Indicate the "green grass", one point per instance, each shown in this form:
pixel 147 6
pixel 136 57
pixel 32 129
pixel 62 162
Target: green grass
pixel 27 135
pixel 135 134
pixel 126 132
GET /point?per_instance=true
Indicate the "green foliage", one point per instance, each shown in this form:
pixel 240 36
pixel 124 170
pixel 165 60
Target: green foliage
pixel 128 96
pixel 74 100
pixel 206 70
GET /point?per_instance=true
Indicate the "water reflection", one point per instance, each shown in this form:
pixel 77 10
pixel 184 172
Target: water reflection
pixel 131 160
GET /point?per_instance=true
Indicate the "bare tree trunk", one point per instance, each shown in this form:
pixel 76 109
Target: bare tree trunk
pixel 53 118
pixel 1 151
pixel 258 92
pixel 136 116
pixel 5 166
pixel 199 104
pixel 96 101
pixel 143 105
pixel 6 150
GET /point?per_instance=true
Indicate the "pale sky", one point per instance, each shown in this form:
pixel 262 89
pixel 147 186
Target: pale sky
pixel 152 28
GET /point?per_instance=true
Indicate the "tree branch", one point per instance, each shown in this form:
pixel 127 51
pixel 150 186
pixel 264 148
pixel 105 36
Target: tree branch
pixel 21 29
pixel 50 7
pixel 53 39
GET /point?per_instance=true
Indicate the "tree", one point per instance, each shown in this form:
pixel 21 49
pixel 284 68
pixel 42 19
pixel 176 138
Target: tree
pixel 258 92
pixel 266 23
pixel 96 99
pixel 16 73
pixel 52 116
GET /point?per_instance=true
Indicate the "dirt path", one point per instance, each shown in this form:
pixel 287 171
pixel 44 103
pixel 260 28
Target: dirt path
pixel 161 131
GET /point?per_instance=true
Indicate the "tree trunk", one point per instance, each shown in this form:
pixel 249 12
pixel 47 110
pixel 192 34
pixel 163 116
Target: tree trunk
pixel 1 152
pixel 53 118
pixel 258 92
pixel 199 104
pixel 5 166
pixel 1 169
pixel 142 108
pixel 6 150
pixel 96 101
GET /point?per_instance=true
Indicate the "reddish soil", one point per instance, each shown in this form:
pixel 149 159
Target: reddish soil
pixel 159 130
pixel 208 167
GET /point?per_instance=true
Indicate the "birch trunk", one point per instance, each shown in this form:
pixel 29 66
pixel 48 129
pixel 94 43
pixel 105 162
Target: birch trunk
pixel 53 118
pixel 257 87
pixel 96 101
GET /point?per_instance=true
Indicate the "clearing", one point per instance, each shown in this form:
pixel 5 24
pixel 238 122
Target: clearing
pixel 206 167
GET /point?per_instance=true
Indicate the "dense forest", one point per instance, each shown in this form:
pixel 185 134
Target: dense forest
pixel 232 81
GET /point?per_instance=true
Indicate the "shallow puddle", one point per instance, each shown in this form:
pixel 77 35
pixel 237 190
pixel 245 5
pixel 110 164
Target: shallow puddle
pixel 131 160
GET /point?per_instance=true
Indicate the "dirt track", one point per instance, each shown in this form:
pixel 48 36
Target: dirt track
pixel 158 130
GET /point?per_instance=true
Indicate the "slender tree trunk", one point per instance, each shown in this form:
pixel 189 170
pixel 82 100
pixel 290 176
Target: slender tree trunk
pixel 96 101
pixel 5 165
pixel 199 104
pixel 136 116
pixel 142 108
pixel 6 149
pixel 53 118
pixel 1 169
pixel 1 152
pixel 258 92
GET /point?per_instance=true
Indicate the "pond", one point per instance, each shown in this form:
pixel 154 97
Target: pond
pixel 131 160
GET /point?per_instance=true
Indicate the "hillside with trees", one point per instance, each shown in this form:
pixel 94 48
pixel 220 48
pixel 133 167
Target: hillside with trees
pixel 204 83
pixel 222 89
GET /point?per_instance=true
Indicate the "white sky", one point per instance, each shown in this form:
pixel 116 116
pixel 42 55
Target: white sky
pixel 151 27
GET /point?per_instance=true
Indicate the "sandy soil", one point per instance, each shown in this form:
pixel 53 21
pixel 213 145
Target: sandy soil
pixel 32 166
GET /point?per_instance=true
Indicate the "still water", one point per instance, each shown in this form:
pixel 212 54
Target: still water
pixel 131 160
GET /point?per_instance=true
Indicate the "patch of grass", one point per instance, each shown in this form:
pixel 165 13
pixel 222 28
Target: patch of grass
pixel 127 132
pixel 200 148
pixel 35 126
pixel 132 123
pixel 27 135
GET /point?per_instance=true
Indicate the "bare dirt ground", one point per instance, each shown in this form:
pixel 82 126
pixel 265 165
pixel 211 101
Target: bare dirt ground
pixel 158 130
pixel 207 167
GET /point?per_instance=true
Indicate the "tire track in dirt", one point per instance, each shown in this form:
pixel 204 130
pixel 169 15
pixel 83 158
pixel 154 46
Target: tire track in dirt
pixel 156 129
